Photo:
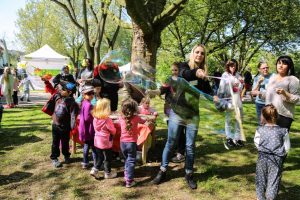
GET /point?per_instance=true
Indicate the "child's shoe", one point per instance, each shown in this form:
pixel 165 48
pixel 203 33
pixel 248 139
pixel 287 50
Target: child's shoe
pixel 84 165
pixel 67 160
pixel 178 158
pixel 130 184
pixel 94 173
pixel 56 163
pixel 110 175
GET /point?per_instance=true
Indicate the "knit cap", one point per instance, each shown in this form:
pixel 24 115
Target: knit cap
pixel 87 88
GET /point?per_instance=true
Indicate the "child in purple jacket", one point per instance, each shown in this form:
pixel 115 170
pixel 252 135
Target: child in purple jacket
pixel 86 128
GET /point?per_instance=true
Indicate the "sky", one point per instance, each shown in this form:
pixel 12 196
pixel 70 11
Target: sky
pixel 8 16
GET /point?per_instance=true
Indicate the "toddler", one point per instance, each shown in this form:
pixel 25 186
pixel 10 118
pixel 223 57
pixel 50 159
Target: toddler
pixel 104 131
pixel 64 112
pixel 26 89
pixel 145 108
pixel 273 144
pixel 86 128
pixel 129 121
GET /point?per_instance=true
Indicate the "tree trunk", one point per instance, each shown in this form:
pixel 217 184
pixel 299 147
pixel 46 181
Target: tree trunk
pixel 144 47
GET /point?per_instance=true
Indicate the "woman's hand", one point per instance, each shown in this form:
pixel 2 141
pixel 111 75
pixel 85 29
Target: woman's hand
pixel 281 91
pixel 261 79
pixel 216 99
pixel 200 73
pixel 254 92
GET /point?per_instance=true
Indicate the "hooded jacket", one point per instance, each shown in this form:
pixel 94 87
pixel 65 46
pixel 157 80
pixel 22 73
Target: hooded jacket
pixel 104 130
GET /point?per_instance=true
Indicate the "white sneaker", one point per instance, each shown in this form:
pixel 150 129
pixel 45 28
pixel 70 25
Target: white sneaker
pixel 131 184
pixel 94 172
pixel 110 175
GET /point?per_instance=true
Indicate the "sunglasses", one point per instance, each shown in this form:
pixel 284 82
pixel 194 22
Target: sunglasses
pixel 89 93
pixel 265 68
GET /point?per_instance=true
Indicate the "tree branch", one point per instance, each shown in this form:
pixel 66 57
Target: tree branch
pixel 65 7
pixel 137 14
pixel 169 14
pixel 93 13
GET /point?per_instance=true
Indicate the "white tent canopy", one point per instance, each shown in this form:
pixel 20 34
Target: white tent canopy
pixel 43 58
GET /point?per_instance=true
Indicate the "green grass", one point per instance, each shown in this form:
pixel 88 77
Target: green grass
pixel 27 173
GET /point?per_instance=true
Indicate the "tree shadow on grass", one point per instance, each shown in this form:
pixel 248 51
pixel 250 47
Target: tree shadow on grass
pixel 11 137
pixel 289 193
pixel 14 177
pixel 225 172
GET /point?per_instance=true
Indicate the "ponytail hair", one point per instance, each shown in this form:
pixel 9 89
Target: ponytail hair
pixel 269 113
pixel 129 109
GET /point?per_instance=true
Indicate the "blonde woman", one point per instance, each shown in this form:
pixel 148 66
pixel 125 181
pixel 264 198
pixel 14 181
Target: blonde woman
pixel 186 112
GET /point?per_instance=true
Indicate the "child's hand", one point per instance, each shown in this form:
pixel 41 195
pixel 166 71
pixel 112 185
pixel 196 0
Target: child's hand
pixel 216 99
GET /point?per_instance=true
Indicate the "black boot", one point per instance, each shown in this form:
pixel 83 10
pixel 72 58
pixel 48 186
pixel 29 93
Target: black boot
pixel 189 179
pixel 161 176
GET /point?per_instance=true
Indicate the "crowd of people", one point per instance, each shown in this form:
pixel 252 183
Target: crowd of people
pixel 97 106
pixel 275 98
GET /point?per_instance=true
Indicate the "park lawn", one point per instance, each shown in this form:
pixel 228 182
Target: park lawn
pixel 26 171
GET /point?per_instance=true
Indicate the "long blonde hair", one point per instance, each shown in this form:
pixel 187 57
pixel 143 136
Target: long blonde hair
pixel 192 63
pixel 102 109
pixel 6 73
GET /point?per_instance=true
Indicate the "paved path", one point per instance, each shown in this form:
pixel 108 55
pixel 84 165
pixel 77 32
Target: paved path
pixel 36 98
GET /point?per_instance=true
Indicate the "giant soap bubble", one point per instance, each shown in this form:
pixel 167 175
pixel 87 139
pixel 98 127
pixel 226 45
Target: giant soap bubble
pixel 194 104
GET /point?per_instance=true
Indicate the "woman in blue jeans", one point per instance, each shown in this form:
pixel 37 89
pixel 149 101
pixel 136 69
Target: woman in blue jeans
pixel 185 110
pixel 260 83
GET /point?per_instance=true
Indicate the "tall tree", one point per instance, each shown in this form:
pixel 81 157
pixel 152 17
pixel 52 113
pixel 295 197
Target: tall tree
pixel 233 28
pixel 39 24
pixel 150 18
pixel 90 18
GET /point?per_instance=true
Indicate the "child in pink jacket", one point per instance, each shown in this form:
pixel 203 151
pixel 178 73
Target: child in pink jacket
pixel 129 121
pixel 145 108
pixel 104 131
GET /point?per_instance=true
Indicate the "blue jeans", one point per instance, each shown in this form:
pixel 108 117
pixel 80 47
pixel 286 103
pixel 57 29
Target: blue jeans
pixel 104 156
pixel 86 148
pixel 259 107
pixel 129 151
pixel 191 131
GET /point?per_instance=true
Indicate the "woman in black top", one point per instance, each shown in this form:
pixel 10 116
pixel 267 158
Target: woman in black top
pixel 185 110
